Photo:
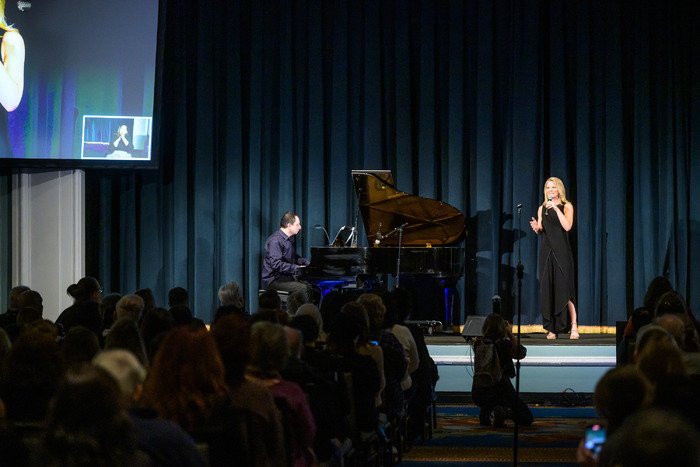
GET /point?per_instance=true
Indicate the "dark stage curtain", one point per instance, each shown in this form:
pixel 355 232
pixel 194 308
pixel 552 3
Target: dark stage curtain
pixel 265 107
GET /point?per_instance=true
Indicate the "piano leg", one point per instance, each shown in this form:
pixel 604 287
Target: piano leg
pixel 434 300
pixel 452 315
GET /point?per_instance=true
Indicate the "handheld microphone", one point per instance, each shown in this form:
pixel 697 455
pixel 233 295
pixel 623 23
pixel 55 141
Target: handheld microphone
pixel 378 240
pixel 401 227
pixel 546 212
pixel 320 227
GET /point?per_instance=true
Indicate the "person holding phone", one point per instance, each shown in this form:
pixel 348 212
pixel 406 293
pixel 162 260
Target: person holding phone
pixel 620 393
pixel 595 437
pixel 555 218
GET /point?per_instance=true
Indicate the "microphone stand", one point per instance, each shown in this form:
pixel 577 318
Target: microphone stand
pixel 354 227
pixel 520 270
pixel 398 255
pixel 320 227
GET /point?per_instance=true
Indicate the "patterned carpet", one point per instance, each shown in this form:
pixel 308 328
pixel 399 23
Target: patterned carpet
pixel 460 440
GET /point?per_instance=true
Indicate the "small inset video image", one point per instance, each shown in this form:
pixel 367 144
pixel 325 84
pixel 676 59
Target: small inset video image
pixel 109 137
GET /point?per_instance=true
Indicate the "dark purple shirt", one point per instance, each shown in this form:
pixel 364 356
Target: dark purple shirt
pixel 281 258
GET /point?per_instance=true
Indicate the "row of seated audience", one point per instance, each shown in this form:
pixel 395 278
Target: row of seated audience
pixel 117 380
pixel 650 400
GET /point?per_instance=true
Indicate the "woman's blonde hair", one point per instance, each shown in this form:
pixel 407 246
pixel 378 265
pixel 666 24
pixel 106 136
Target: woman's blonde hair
pixel 3 20
pixel 560 188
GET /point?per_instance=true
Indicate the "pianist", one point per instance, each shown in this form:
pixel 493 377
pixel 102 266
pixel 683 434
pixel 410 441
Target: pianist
pixel 281 259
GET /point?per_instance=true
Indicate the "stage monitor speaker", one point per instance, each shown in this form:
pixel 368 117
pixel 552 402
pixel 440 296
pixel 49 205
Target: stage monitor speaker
pixel 472 328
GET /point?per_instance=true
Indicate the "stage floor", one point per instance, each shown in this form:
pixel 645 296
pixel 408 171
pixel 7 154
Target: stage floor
pixel 551 366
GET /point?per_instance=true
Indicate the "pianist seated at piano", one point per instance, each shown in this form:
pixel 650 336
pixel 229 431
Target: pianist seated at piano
pixel 281 261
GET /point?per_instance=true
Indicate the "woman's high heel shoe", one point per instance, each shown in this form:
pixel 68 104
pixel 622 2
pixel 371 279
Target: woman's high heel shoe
pixel 574 331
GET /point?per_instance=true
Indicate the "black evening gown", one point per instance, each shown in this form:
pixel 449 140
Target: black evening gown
pixel 557 282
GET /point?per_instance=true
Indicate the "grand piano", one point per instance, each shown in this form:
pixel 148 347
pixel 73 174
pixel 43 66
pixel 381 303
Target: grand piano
pixel 412 238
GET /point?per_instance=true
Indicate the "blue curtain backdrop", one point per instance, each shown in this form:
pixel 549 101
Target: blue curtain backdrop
pixel 266 106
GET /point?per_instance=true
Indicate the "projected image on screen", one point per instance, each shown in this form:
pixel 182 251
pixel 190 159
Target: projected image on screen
pixel 88 73
pixel 116 137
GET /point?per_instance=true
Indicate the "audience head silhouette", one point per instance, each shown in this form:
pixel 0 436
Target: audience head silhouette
pixel 87 289
pixel 88 423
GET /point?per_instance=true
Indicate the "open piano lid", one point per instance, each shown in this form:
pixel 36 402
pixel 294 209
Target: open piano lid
pixel 384 209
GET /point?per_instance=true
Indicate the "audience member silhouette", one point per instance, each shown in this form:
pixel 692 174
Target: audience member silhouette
pixel 26 317
pixel 86 294
pixel 404 336
pixel 154 326
pixel 269 354
pixel 232 336
pixel 107 307
pixel 426 376
pixel 187 385
pixel 8 320
pixel 178 296
pixel 131 307
pixel 225 310
pixel 295 300
pixel 149 301
pixel 500 397
pixel 661 361
pixel 395 365
pixel 31 299
pixel 31 373
pixel 651 438
pixel 270 301
pixel 79 346
pixel 674 303
pixel 364 346
pixel 230 294
pixel 618 395
pixel 45 326
pixel 264 314
pixel 313 311
pixel 88 424
pixel 330 307
pixel 346 330
pixel 312 351
pixel 164 442
pixel 649 335
pixel 30 309
pixel 186 381
pixel 327 397
pixel 640 317
pixel 5 344
pixel 644 314
pixel 125 335
pixel 656 288
pixel 182 315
